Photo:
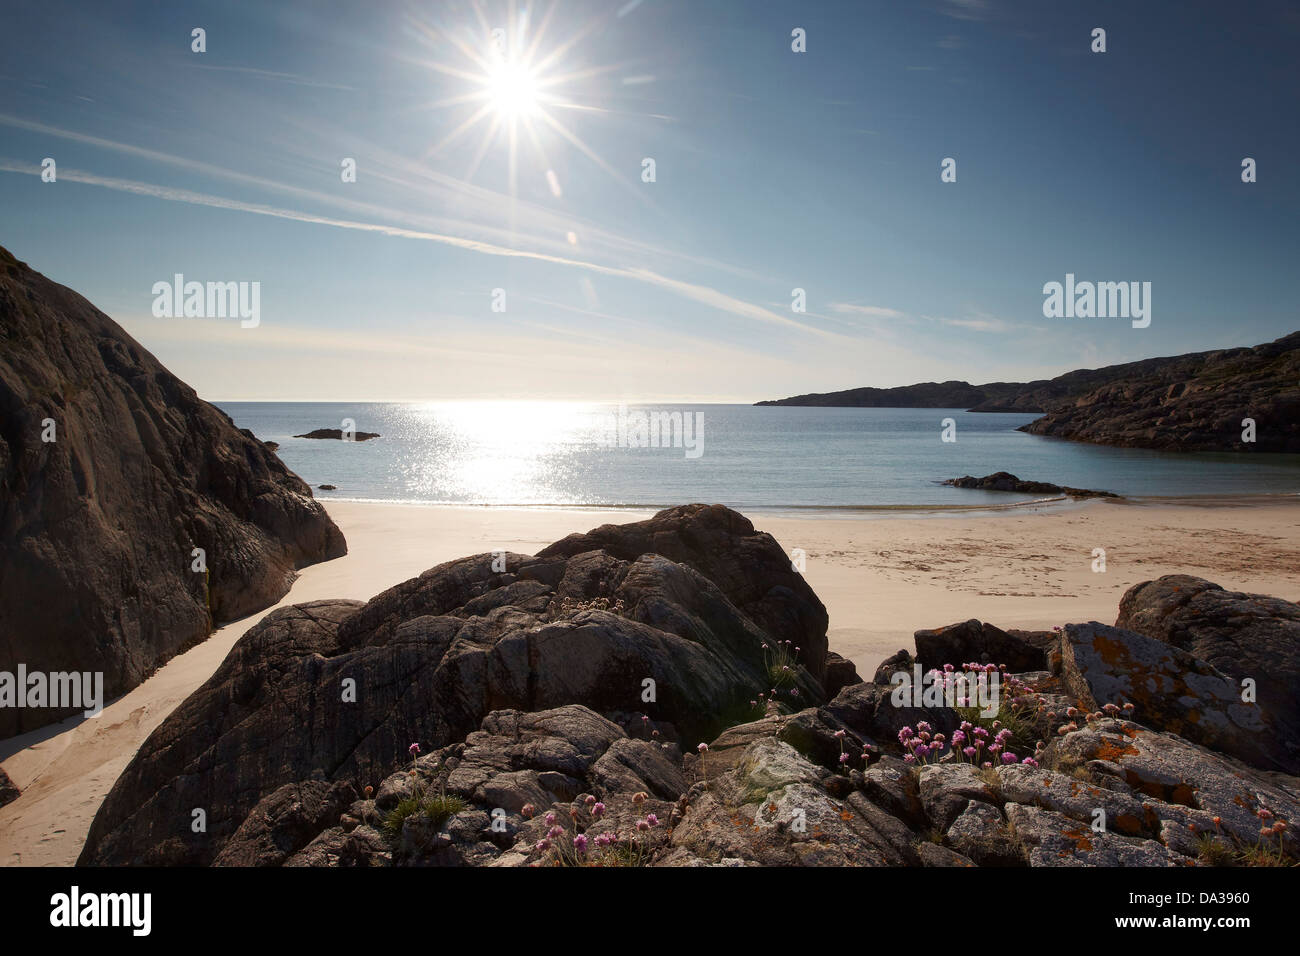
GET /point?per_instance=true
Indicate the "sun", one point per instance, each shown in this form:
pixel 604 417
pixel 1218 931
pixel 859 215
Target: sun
pixel 512 90
pixel 508 86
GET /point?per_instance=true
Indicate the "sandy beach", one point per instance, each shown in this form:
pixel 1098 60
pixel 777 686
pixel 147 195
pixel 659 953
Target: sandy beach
pixel 880 578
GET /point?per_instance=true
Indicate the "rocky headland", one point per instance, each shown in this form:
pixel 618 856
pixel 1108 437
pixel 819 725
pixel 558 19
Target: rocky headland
pixel 134 516
pixel 661 693
pixel 1192 402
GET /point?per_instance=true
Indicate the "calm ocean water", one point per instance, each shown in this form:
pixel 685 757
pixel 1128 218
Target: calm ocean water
pixel 750 458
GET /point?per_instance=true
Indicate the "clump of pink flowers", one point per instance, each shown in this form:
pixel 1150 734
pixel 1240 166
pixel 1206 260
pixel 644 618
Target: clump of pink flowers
pixel 969 744
pixel 606 848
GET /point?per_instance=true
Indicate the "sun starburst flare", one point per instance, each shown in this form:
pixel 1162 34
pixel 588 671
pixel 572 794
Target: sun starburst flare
pixel 513 85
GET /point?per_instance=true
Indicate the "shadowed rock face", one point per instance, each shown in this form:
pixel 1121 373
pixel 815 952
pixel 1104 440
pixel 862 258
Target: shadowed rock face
pixel 98 526
pixel 587 621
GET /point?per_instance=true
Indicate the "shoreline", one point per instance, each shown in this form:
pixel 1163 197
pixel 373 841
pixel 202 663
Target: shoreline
pixel 880 579
pixel 818 512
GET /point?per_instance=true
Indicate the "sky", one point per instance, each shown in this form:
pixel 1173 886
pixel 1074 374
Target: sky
pixel 774 170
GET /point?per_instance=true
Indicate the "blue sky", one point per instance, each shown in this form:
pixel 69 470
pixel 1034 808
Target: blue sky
pixel 775 170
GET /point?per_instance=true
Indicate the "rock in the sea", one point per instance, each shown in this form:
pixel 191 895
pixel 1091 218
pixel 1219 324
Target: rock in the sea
pixel 1005 481
pixel 605 620
pixel 112 473
pixel 339 435
pixel 328 487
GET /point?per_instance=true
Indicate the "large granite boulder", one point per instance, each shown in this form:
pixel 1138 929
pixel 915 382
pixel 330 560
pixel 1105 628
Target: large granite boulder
pixel 1174 691
pixel 1245 636
pixel 748 566
pixel 337 691
pixel 98 525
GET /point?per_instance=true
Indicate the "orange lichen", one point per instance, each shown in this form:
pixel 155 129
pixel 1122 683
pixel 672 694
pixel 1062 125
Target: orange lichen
pixel 1082 842
pixel 1107 750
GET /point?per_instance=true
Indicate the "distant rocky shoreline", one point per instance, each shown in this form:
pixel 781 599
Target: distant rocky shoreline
pixel 1243 399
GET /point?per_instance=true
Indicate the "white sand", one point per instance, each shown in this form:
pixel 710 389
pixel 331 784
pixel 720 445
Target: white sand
pixel 880 579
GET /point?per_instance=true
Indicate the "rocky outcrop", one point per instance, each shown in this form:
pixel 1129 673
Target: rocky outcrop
pixel 681 624
pixel 338 434
pixel 1193 402
pixel 1005 481
pixel 112 473
pixel 487 716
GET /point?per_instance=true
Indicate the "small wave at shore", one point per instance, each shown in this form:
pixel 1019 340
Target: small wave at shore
pixel 864 511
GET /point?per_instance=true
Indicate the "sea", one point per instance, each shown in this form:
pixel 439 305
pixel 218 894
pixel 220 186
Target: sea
pixel 860 461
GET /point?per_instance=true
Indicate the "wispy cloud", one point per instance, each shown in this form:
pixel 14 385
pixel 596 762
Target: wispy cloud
pixel 872 311
pixel 976 321
pixel 967 9
pixel 541 228
pixel 697 293
pixel 272 75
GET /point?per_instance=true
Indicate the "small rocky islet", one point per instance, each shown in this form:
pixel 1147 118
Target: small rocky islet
pixel 501 718
pixel 1005 481
pixel 339 435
